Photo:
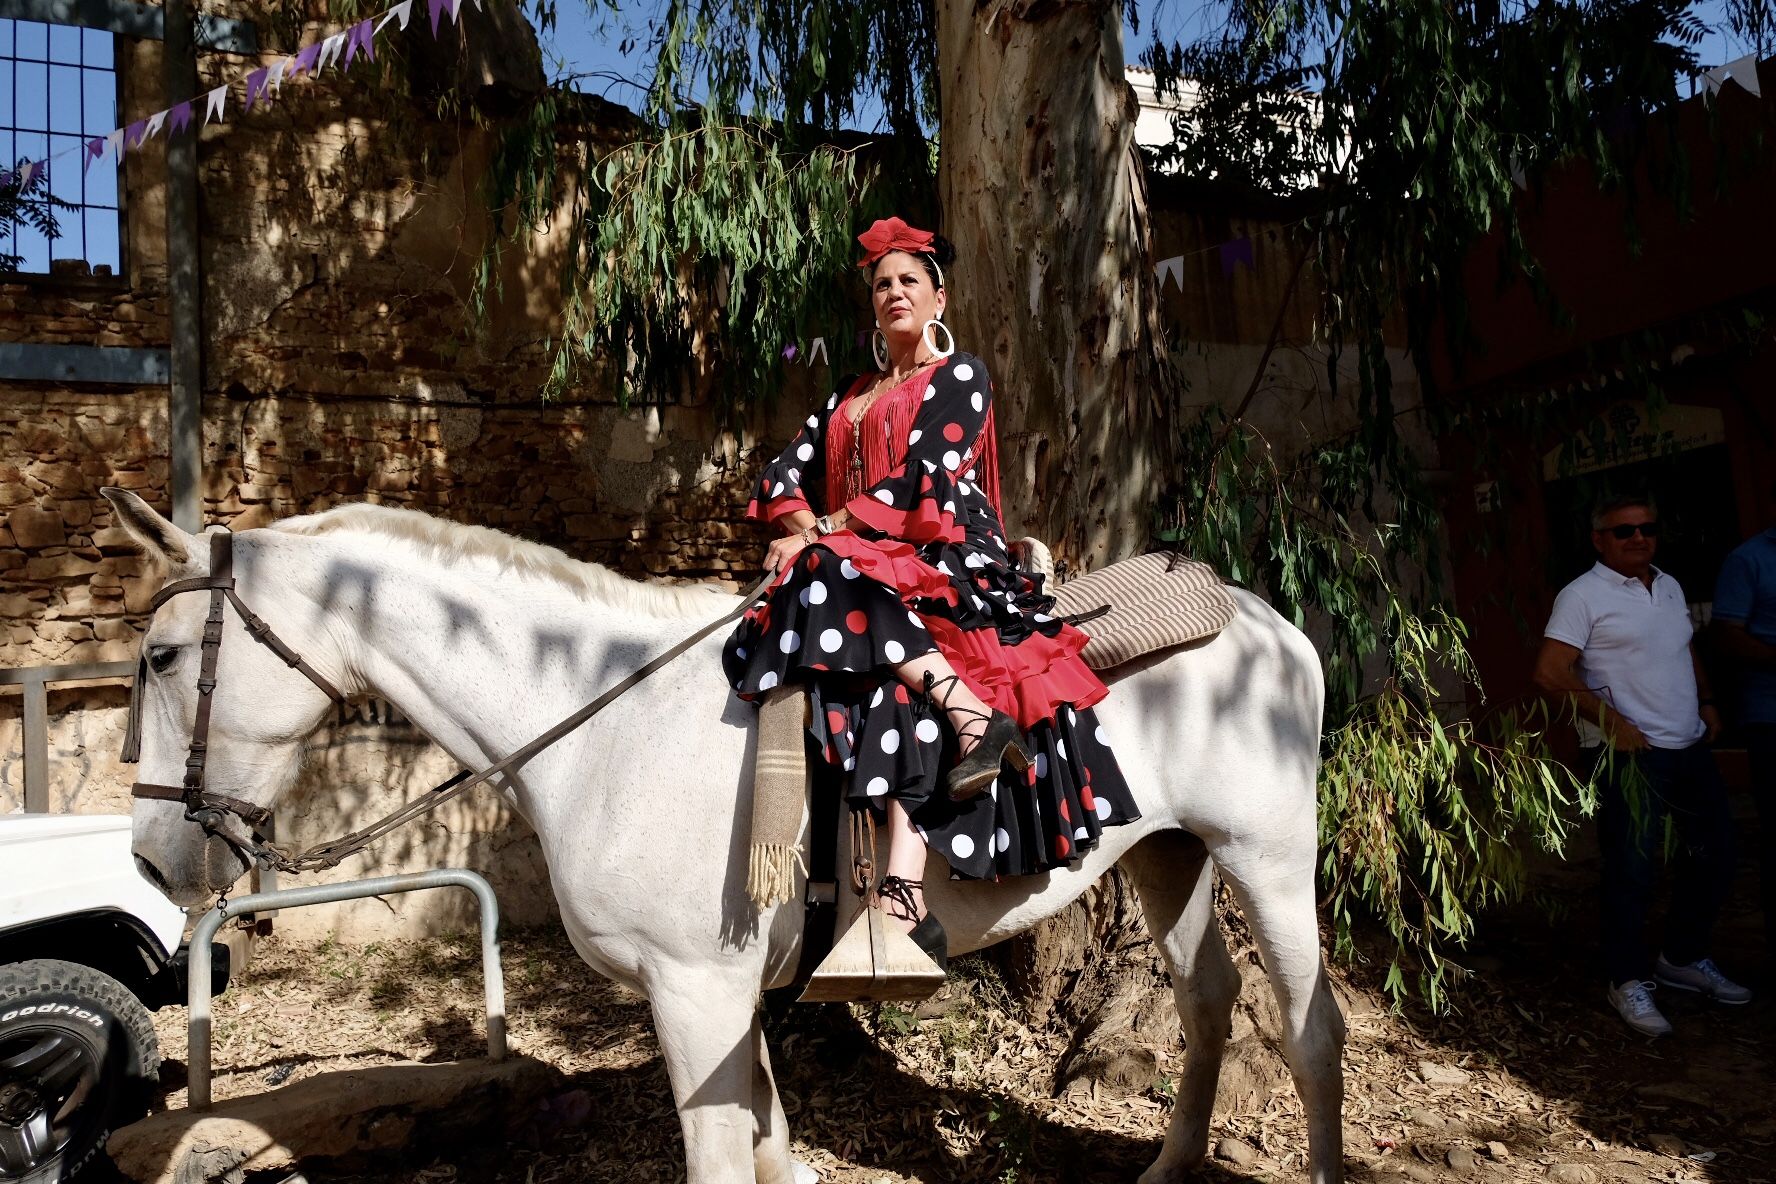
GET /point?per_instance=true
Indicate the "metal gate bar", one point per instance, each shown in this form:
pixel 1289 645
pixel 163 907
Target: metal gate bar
pixel 198 993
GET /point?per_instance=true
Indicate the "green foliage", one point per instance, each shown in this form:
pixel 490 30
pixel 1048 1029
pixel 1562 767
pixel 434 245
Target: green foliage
pixel 28 205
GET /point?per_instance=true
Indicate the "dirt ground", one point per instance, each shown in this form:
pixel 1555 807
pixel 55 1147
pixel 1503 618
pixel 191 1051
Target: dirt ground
pixel 1531 1079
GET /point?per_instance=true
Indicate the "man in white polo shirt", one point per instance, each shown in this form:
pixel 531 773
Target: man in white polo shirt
pixel 1617 647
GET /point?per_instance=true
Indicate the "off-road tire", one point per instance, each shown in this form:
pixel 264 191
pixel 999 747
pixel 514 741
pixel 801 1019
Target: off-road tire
pixel 88 1013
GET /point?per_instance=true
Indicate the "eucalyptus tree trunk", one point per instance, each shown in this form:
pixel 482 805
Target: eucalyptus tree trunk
pixel 1043 195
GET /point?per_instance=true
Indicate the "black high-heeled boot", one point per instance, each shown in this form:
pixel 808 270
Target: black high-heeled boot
pixel 1001 741
pixel 929 933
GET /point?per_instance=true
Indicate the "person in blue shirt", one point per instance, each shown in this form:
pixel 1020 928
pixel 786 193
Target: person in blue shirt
pixel 1745 626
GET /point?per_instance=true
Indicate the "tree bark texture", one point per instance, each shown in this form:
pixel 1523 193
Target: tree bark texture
pixel 1044 196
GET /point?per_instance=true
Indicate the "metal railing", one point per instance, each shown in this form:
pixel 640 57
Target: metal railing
pixel 35 680
pixel 198 991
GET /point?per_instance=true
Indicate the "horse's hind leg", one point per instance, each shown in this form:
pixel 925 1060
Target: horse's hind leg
pixel 706 1022
pixel 1276 891
pixel 1173 877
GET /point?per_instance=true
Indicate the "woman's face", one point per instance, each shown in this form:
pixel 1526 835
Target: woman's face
pixel 903 295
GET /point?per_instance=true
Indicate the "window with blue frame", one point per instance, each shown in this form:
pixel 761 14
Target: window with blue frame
pixel 59 89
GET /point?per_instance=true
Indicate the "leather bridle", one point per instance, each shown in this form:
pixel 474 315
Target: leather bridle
pixel 205 806
pixel 209 809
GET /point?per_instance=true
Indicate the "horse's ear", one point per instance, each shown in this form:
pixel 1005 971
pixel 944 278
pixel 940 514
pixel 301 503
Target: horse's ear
pixel 158 536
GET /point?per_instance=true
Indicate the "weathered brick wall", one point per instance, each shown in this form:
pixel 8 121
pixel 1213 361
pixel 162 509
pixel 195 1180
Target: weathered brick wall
pixel 342 362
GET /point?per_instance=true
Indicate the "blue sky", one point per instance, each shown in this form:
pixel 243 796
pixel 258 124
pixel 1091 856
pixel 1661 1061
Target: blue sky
pixel 57 87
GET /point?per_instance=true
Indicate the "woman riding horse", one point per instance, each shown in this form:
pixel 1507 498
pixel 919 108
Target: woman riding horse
pixel 897 602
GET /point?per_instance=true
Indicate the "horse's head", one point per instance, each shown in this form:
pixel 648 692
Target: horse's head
pixel 262 709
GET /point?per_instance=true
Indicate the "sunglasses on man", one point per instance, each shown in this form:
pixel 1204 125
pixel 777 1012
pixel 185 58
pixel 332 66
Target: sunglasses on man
pixel 1628 530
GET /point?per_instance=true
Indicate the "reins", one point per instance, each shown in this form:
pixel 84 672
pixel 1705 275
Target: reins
pixel 206 807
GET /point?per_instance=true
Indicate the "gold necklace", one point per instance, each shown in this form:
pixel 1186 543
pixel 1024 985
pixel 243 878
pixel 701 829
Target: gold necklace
pixel 854 474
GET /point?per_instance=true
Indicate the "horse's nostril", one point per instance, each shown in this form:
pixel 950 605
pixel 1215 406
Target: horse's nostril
pixel 151 873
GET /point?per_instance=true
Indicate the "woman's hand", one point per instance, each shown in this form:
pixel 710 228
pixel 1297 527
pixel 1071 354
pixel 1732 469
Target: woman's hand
pixel 782 552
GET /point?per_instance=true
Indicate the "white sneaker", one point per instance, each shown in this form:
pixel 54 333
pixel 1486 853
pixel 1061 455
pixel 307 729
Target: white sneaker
pixel 1633 1001
pixel 1704 978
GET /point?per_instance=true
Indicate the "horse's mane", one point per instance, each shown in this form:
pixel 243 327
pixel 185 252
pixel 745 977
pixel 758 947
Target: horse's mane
pixel 448 542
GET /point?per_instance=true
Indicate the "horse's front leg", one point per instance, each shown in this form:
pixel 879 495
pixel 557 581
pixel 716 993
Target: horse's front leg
pixel 707 1023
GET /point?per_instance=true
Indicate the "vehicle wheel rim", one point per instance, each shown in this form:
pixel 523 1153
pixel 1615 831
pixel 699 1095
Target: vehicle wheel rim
pixel 46 1076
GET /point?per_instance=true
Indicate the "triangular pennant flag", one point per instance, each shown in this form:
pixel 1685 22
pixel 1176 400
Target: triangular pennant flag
pixel 331 49
pixel 179 117
pixel 1713 80
pixel 789 352
pixel 95 148
pixel 400 12
pixel 305 59
pixel 436 8
pixel 1519 178
pixel 361 36
pixel 1235 253
pixel 255 87
pixel 5 178
pixel 213 104
pixel 156 121
pixel 1173 267
pixel 136 133
pixel 819 347
pixel 25 174
pixel 1744 71
pixel 114 141
pixel 278 67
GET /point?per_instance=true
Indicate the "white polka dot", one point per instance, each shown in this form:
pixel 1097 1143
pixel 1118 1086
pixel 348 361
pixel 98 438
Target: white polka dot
pixel 965 487
pixel 795 475
pixel 943 566
pixel 976 561
pixel 891 740
pixel 1004 839
pixel 969 474
pixel 831 640
pixel 929 391
pixel 1101 736
pixel 1102 806
pixel 993 789
pixel 789 641
pixel 876 701
pixel 877 787
pixel 1060 745
pixel 992 844
pixel 767 680
pixel 847 570
pixel 814 420
pixel 914 618
pixel 964 372
pixel 805 452
pixel 803 598
pixel 1082 834
pixel 913 436
pixel 1042 618
pixel 1071 717
pixel 817 593
pixel 949 507
pixel 830 404
pixel 1041 765
pixel 927 731
pixel 974 401
pixel 894 652
pixel 740 652
pixel 951 459
pixel 929 467
pixel 886 497
pixel 777 490
pixel 962 846
pixel 850 761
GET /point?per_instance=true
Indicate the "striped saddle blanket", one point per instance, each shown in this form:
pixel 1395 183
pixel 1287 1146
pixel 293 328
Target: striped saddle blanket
pixel 1138 606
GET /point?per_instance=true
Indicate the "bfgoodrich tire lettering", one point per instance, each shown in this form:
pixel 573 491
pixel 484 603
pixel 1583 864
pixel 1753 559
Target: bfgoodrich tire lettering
pixel 78 1059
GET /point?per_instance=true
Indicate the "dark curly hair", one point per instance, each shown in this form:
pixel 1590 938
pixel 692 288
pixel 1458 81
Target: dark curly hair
pixel 941 255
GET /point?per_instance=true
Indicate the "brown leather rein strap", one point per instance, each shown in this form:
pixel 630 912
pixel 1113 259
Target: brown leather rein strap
pixel 202 806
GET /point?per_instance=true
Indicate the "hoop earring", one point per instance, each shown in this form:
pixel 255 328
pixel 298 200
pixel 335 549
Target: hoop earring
pixel 879 347
pixel 930 338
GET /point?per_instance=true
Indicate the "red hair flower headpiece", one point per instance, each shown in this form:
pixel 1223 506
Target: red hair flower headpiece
pixel 891 234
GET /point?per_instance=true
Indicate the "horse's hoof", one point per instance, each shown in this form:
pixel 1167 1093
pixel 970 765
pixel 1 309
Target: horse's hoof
pixel 802 1173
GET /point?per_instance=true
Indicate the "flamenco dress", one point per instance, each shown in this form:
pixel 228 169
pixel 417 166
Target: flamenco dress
pixel 925 567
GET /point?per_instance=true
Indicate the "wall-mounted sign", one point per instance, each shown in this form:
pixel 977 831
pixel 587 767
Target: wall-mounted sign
pixel 1629 433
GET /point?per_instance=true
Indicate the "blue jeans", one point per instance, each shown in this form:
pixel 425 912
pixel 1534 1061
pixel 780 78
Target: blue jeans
pixel 1684 786
pixel 1761 740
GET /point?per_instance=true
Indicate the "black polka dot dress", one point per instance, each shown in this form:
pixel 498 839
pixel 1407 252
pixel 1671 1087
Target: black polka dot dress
pixel 925 568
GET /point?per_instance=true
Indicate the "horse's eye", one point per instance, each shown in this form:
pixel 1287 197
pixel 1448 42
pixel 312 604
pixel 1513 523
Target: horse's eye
pixel 162 657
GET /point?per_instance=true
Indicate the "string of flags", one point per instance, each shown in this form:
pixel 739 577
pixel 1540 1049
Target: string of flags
pixel 341 48
pixel 1741 70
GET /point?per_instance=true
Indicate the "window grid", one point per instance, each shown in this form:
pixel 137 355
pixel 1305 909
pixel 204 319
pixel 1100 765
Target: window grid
pixel 61 84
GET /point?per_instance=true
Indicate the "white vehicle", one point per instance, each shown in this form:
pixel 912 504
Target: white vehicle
pixel 87 949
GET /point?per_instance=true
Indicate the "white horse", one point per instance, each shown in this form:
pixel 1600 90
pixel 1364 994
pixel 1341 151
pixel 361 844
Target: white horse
pixel 484 641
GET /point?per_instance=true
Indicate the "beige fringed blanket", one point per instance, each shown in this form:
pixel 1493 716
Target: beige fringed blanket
pixel 780 790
